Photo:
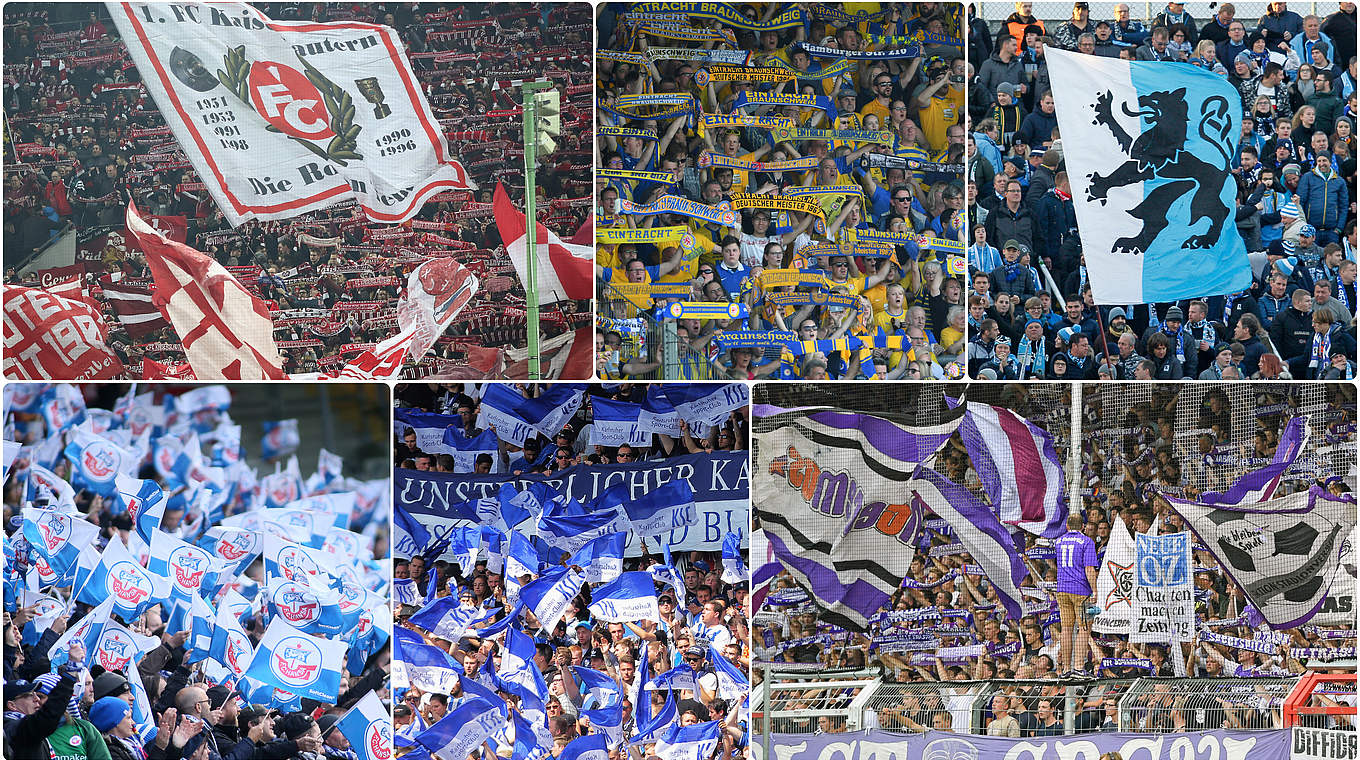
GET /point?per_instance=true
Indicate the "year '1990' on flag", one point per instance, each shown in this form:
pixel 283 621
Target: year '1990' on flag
pixel 1148 147
pixel 283 117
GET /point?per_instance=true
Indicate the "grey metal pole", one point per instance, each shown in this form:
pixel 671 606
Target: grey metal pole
pixel 765 704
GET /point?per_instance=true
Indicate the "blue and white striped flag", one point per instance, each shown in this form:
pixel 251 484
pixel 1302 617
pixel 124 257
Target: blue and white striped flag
pixel 142 716
pixel 231 646
pixel 732 683
pixel 615 423
pixel 415 663
pixel 464 730
pixel 629 598
pixel 119 576
pixel 446 617
pixel 569 533
pixel 517 672
pixel 58 537
pixel 734 568
pixel 694 742
pixel 601 558
pixel 552 408
pixel 661 510
pixel 588 747
pixel 466 450
pixel 1150 148
pixel 549 595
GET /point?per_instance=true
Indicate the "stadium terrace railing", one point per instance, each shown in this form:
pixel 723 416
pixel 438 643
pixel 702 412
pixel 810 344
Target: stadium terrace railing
pixel 805 702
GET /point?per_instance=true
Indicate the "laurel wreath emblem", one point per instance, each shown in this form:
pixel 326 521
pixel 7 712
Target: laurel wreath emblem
pixel 343 147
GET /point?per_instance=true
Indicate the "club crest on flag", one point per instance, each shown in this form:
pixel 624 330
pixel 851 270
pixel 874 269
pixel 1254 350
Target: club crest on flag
pixel 295 564
pixel 55 529
pixel 129 584
pixel 378 739
pixel 234 546
pixel 100 461
pixel 188 564
pixel 296 660
pixel 237 651
pixel 296 603
pixel 114 650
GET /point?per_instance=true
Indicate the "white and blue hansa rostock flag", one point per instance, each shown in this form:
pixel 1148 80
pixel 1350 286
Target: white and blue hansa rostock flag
pixel 1148 148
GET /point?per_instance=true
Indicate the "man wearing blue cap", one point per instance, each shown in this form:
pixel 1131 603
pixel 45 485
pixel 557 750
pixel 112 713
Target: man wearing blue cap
pixel 51 732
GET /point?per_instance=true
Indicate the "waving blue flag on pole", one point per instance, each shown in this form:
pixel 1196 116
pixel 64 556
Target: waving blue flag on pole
pixel 588 747
pixel 1149 151
pixel 463 730
pixel 602 558
pixel 628 598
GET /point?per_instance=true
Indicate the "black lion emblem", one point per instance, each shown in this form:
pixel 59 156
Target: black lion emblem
pixel 1159 152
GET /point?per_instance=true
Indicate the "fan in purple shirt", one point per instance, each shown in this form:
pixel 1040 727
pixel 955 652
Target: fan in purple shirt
pixel 1076 554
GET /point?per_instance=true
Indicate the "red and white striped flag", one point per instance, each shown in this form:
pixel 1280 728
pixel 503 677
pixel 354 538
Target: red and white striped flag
pixel 134 308
pixel 564 270
pixel 226 331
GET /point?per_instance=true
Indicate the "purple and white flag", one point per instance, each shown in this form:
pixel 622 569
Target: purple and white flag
pixel 1260 485
pixel 832 492
pixel 1019 468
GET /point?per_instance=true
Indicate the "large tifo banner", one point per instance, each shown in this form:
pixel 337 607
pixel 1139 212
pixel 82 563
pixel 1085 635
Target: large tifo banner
pixel 1149 149
pixel 721 482
pixel 938 745
pixel 279 118
pixel 1163 592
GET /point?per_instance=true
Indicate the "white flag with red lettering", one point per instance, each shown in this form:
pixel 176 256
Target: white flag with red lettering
pixel 48 337
pixel 435 292
pixel 227 332
pixel 565 270
pixel 280 118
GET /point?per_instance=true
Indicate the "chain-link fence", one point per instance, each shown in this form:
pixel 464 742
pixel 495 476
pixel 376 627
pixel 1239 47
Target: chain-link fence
pixel 1202 704
pixel 1052 12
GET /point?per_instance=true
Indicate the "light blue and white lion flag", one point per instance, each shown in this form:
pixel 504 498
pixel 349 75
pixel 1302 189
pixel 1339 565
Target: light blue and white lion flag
pixel 1148 149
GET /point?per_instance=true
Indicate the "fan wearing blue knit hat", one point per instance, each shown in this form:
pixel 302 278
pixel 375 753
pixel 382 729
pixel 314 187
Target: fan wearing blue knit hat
pixel 51 731
pixel 112 717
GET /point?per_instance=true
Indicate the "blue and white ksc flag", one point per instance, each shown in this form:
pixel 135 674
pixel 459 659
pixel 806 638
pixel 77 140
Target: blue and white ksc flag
pixel 626 599
pixel 598 688
pixel 404 591
pixel 702 405
pixel 663 509
pixel 368 727
pixel 500 407
pixel 528 746
pixel 463 730
pixel 734 568
pixel 602 558
pixel 694 742
pixel 429 428
pixel 279 440
pixel 295 662
pixel 446 617
pixel 552 408
pixel 415 663
pixel 1149 149
pixel 588 747
pixel 549 595
pixel 517 673
pixel 118 575
pixel 732 683
pixel 647 727
pixel 616 423
pixel 466 450
pixel 658 414
pixel 522 558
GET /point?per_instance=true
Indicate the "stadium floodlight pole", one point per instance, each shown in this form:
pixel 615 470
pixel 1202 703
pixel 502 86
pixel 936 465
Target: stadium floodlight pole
pixel 542 122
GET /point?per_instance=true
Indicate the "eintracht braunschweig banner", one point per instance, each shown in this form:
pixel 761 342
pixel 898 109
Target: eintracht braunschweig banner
pixel 279 118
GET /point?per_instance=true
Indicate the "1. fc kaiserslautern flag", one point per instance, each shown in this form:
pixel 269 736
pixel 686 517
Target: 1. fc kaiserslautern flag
pixel 283 117
pixel 1148 147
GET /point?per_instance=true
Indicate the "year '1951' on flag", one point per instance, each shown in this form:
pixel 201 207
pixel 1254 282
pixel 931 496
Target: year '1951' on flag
pixel 284 117
pixel 1148 147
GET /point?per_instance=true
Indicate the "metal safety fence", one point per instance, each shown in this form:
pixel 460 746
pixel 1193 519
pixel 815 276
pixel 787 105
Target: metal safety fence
pixel 809 701
pixel 1052 12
